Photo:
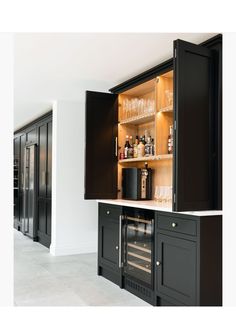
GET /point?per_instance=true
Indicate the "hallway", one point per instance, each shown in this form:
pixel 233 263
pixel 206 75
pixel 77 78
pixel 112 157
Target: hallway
pixel 41 279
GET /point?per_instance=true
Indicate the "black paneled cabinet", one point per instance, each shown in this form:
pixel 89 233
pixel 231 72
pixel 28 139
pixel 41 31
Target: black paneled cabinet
pixel 44 186
pixel 39 132
pixel 109 242
pixel 196 72
pixel 16 183
pixel 186 250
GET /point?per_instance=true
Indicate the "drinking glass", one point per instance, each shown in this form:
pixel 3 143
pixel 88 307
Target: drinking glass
pixel 128 109
pixel 161 194
pixel 141 106
pixel 158 193
pixel 169 197
pixel 125 108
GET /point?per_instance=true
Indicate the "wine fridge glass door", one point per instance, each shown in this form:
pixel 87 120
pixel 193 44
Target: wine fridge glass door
pixel 138 247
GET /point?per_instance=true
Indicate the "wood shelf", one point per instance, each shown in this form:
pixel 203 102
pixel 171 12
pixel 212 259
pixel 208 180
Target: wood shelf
pixel 139 119
pixel 149 158
pixel 166 109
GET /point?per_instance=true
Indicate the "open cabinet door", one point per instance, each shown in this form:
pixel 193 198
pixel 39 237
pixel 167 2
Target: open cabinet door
pixel 101 145
pixel 194 138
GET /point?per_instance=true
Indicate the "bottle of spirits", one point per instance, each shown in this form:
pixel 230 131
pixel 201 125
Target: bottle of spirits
pixel 136 147
pixel 170 141
pixel 127 146
pixel 152 147
pixel 131 149
pixel 141 148
pixel 148 147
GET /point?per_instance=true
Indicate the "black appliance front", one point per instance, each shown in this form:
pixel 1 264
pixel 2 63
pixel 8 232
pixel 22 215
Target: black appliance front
pixel 137 183
pixel 138 246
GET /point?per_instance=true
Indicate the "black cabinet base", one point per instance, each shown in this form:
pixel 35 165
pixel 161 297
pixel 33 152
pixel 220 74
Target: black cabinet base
pixel 110 275
pixel 139 290
pixel 44 239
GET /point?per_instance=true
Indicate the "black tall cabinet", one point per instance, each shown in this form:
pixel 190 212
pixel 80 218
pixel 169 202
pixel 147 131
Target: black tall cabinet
pixel 44 186
pixel 197 128
pixel 38 132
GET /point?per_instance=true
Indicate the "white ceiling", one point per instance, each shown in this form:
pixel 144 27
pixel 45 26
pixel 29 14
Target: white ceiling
pixel 50 66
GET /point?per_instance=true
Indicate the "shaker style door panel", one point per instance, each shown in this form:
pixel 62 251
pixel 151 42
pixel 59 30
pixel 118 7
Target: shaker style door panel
pixel 109 241
pixel 48 217
pixel 194 151
pixel 21 177
pixel 31 136
pixel 49 161
pixel 101 145
pixel 177 273
pixel 42 159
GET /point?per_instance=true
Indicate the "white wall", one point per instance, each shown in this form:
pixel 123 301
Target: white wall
pixel 6 138
pixel 74 220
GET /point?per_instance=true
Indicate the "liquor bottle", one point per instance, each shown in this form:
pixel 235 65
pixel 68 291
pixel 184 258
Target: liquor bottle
pixel 136 147
pixel 127 146
pixel 131 149
pixel 170 141
pixel 141 148
pixel 148 147
pixel 152 147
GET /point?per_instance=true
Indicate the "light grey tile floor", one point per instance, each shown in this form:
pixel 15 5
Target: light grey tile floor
pixel 41 279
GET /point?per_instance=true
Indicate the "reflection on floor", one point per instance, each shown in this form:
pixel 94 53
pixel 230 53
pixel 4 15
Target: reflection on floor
pixel 44 280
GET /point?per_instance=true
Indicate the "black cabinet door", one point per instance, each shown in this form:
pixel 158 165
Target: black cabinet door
pixel 16 177
pixel 22 161
pixel 176 274
pixel 31 136
pixel 194 151
pixel 109 243
pixel 45 178
pixel 108 236
pixel 49 161
pixel 42 159
pixel 101 145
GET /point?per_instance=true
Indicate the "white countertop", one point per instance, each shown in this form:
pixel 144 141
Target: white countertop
pixel 153 205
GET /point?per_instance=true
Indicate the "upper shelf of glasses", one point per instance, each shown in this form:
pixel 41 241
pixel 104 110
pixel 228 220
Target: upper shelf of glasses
pixel 147 117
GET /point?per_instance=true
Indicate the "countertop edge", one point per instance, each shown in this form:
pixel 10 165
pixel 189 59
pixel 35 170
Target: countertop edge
pixel 152 206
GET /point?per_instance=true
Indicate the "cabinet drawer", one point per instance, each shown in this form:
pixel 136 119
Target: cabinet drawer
pixel 177 225
pixel 109 211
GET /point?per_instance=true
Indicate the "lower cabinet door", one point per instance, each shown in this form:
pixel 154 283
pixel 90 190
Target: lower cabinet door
pixel 176 267
pixel 109 243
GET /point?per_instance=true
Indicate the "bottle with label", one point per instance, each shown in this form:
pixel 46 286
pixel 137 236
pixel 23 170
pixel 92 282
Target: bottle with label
pixel 127 146
pixel 148 147
pixel 131 149
pixel 152 147
pixel 136 147
pixel 141 148
pixel 170 141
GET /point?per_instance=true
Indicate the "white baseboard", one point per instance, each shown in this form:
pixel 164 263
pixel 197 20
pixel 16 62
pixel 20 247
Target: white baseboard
pixel 82 248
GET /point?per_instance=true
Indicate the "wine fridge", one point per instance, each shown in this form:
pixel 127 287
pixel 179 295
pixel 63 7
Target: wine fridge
pixel 138 246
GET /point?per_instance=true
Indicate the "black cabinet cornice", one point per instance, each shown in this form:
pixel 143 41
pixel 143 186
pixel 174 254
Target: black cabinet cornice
pixel 158 69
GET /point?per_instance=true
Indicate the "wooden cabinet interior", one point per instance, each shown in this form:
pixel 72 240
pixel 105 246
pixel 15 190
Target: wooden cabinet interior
pixel 148 106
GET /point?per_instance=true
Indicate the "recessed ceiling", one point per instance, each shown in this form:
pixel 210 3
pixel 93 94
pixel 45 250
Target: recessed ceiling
pixel 51 66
